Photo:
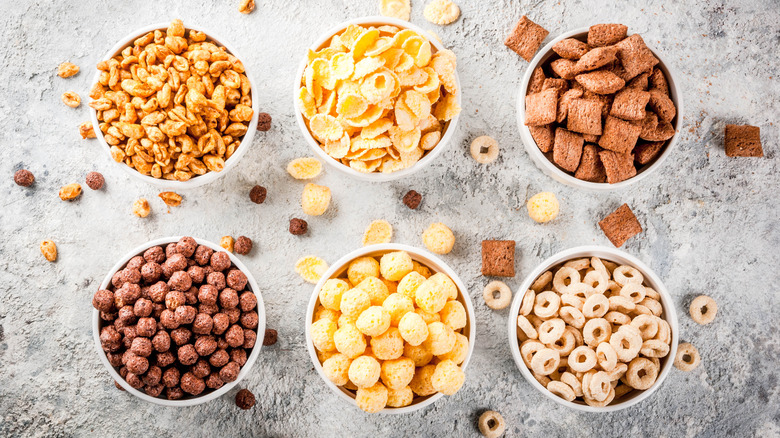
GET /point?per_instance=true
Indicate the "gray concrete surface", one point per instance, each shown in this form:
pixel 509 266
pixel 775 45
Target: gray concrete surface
pixel 711 222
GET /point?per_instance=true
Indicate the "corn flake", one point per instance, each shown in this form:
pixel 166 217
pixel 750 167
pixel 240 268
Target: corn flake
pixel 400 9
pixel 441 12
pixel 311 268
pixel 378 231
pixel 326 127
pixel 315 199
pixel 304 168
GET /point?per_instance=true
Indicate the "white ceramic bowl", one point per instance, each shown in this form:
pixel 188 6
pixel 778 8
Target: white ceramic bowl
pixel 560 175
pixel 616 256
pixel 195 181
pixel 208 394
pixel 423 257
pixel 430 156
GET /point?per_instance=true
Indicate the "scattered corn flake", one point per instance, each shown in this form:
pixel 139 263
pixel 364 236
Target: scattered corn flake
pixel 315 199
pixel 441 12
pixel 378 231
pixel 400 9
pixel 311 268
pixel 171 199
pixel 304 168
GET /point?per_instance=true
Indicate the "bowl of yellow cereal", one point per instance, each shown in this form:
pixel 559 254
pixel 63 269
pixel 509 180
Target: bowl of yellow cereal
pixel 377 98
pixel 173 106
pixel 595 330
pixel 390 328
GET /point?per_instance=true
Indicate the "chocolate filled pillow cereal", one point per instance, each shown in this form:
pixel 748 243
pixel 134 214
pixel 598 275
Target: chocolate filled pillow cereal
pixel 390 347
pixel 589 342
pixel 378 99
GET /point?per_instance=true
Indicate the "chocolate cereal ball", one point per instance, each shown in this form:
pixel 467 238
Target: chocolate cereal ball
pixel 154 390
pixel 208 294
pixel 157 310
pixel 181 335
pixel 236 279
pixel 164 359
pixel 203 324
pixel 95 180
pixel 229 372
pixel 126 314
pixel 208 309
pixel 153 376
pixel 196 273
pixel 180 281
pixel 213 381
pixel 129 333
pixel 170 377
pixel 298 226
pixel 203 255
pixel 158 291
pixel 238 355
pixel 161 341
pixel 247 301
pixel 154 254
pixel 217 279
pixel 137 364
pixel 174 393
pixel 185 314
pixel 245 399
pixel 168 319
pixel 116 280
pixel 263 122
pixel 151 272
pixel 146 327
pixel 187 354
pixel 258 194
pixel 232 314
pixel 141 346
pixel 170 249
pixel 110 338
pixel 103 300
pixel 108 317
pixel 205 345
pixel 222 344
pixel 243 245
pixel 174 299
pixel 186 246
pixel 221 323
pixel 134 380
pixel 219 358
pixel 271 336
pixel 114 359
pixel 131 275
pixel 250 338
pixel 24 178
pixel 228 298
pixel 201 369
pixel 135 263
pixel 249 320
pixel 220 261
pixel 143 307
pixel 127 295
pixel 235 336
pixel 191 296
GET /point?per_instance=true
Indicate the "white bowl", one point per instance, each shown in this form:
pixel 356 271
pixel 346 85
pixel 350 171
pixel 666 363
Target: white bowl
pixel 425 258
pixel 548 167
pixel 195 181
pixel 616 256
pixel 188 400
pixel 430 156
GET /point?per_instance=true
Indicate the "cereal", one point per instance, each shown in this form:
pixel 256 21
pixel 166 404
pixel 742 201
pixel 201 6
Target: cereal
pixel 438 238
pixel 395 265
pixel 71 99
pixel 646 152
pixel 412 199
pixel 263 122
pixel 227 242
pixel 491 424
pixel 570 48
pixel 703 309
pixel 601 82
pixel 336 369
pixel 543 207
pixel 311 268
pixel 687 357
pixel 246 6
pixel 635 56
pixel 304 168
pixel 245 399
pixel 504 295
pixel 620 225
pixel 498 258
pixel 584 116
pixel 595 58
pixel 541 108
pixel 600 35
pixel 70 192
pixel 372 399
pixel 526 38
pixel 543 136
pixel 398 398
pixel 743 141
pixel 373 321
pixel 322 332
pixel 315 199
pixel 400 9
pixel 243 245
pixel 95 180
pixel 258 194
pixel 298 226
pixel 630 103
pixel 591 168
pixel 49 250
pixel 24 178
pixel 567 149
pixel 441 12
pixel 349 341
pixel 378 231
pixel 67 69
pixel 141 207
pixel 617 167
pixel 484 149
pixel 171 199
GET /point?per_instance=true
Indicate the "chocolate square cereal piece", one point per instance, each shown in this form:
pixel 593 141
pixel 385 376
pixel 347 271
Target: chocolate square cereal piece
pixel 662 105
pixel 526 37
pixel 541 108
pixel 604 99
pixel 591 168
pixel 658 81
pixel 654 130
pixel 563 103
pixel 645 152
pixel 598 57
pixel 606 34
pixel 619 135
pixel 543 136
pixel 498 258
pixel 567 149
pixel 640 82
pixel 601 82
pixel 564 68
pixel 629 104
pixel 618 167
pixel 570 48
pixel 590 138
pixel 635 56
pixel 620 225
pixel 555 83
pixel 537 80
pixel 743 141
pixel 584 116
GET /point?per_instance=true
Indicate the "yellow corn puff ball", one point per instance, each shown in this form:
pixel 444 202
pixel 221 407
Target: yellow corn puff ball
pixel 361 268
pixel 441 339
pixel 453 315
pixel 322 332
pixel 379 231
pixel 421 382
pixel 397 373
pixel 364 371
pixel 448 377
pixel 413 329
pixel 376 290
pixel 543 207
pixel 324 313
pixel 409 284
pixel 354 302
pixel 349 341
pixel 398 398
pixel 428 317
pixel 392 286
pixel 304 168
pixel 325 355
pixel 459 351
pixel 372 399
pixel 430 296
pixel 336 369
pixel 421 269
pixel 418 354
pixel 395 265
pixel 447 285
pixel 344 320
pixel 331 292
pixel 438 238
pixel 388 345
pixel 311 268
pixel 315 199
pixel 397 305
pixel 373 321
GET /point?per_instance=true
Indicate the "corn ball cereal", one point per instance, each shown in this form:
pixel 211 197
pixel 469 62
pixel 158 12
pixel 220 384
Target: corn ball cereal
pixel 377 99
pixel 311 268
pixel 315 199
pixel 390 330
pixel 379 231
pixel 304 168
pixel 543 207
pixel 438 238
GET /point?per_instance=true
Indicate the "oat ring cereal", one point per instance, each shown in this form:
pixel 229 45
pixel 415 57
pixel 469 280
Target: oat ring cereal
pixel 600 386
pixel 573 382
pixel 484 149
pixel 565 344
pixel 595 306
pixel 626 274
pixel 560 280
pixel 606 356
pixel 664 331
pixel 529 348
pixel 551 330
pixel 621 304
pixel 573 301
pixel 597 281
pixel 605 402
pixel 528 302
pixel 654 348
pixel 641 373
pixel 572 316
pixel 687 357
pixel 504 295
pixel 617 318
pixel 703 309
pixel 647 325
pixel 627 342
pixel 545 361
pixel 562 390
pixel 527 327
pixel 547 304
pixel 633 291
pixel 491 424
pixel 541 283
pixel 582 359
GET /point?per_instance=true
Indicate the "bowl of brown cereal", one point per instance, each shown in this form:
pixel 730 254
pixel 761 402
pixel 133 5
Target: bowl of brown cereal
pixel 377 99
pixel 595 331
pixel 173 106
pixel 390 328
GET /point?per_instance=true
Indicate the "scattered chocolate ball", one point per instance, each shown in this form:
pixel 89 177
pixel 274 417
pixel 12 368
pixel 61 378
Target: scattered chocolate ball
pixel 298 226
pixel 245 399
pixel 95 180
pixel 257 194
pixel 263 122
pixel 412 199
pixel 24 178
pixel 243 245
pixel 270 337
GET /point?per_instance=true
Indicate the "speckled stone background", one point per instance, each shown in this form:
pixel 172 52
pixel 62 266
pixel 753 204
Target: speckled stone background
pixel 711 222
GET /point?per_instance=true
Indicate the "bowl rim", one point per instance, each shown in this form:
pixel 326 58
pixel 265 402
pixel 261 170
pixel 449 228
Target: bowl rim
pixel 261 321
pixel 198 180
pixel 549 168
pixel 374 176
pixel 416 254
pixel 610 254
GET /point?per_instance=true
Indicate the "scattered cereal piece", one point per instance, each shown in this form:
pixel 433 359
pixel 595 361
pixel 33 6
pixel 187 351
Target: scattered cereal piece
pixel 86 131
pixel 526 38
pixel 71 99
pixel 243 245
pixel 315 199
pixel 227 242
pixel 484 149
pixel 438 238
pixel 378 231
pixel 246 6
pixel 70 192
pixel 503 299
pixel 400 9
pixel 703 309
pixel 743 141
pixel 298 226
pixel 141 207
pixel 171 199
pixel 543 207
pixel 245 399
pixel 304 168
pixel 67 69
pixel 24 178
pixel 311 268
pixel 270 337
pixel 441 12
pixel 491 424
pixel 412 199
pixel 263 122
pixel 620 225
pixel 498 258
pixel 49 250
pixel 258 194
pixel 687 357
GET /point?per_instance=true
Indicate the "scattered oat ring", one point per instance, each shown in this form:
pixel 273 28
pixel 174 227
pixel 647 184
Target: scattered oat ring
pixel 504 295
pixel 484 149
pixel 687 357
pixel 703 309
pixel 491 424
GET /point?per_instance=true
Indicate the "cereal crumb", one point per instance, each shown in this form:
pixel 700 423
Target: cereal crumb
pixel 258 194
pixel 86 130
pixel 24 178
pixel 263 122
pixel 67 69
pixel 543 207
pixel 378 231
pixel 298 226
pixel 438 238
pixel 95 180
pixel 227 242
pixel 311 268
pixel 49 250
pixel 246 7
pixel 441 12
pixel 171 199
pixel 70 192
pixel 71 99
pixel 270 338
pixel 243 245
pixel 245 399
pixel 141 207
pixel 412 199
